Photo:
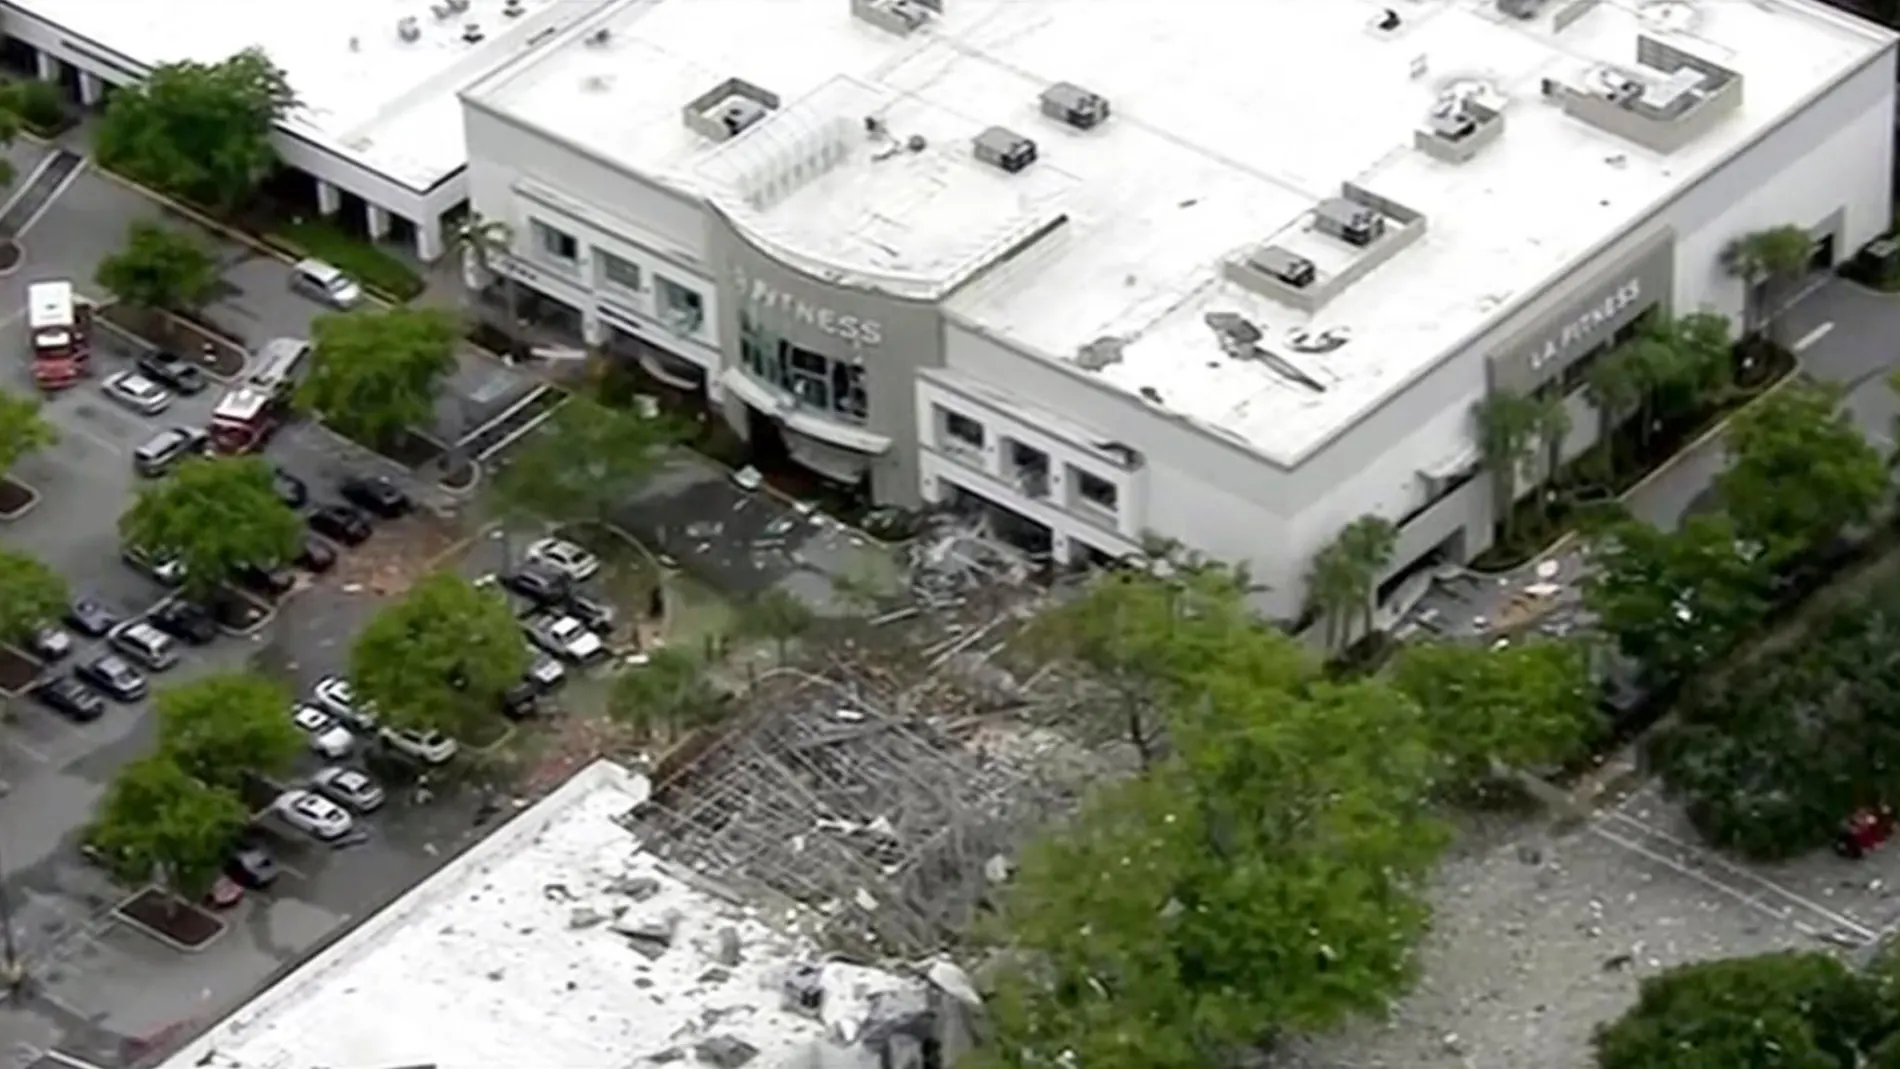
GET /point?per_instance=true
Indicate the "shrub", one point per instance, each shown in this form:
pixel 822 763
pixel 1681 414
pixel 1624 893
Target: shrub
pixel 355 257
pixel 40 105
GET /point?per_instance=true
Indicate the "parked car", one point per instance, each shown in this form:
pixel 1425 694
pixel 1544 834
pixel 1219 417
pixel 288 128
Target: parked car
pixel 349 787
pixel 313 814
pixel 376 495
pixel 594 614
pixel 271 583
pixel 564 637
pixel 327 737
pixel 292 491
pixel 151 648
pixel 224 893
pixel 70 698
pixel 172 371
pixel 49 643
pixel 129 389
pixel 90 618
pixel 114 675
pixel 251 865
pixel 161 568
pixel 542 586
pixel 334 695
pixel 341 523
pixel 521 701
pixel 162 451
pixel 428 747
pixel 560 555
pixel 546 673
pixel 321 282
pixel 316 556
pixel 186 621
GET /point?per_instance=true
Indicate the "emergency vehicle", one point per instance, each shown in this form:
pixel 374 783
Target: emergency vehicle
pixel 252 410
pixel 61 327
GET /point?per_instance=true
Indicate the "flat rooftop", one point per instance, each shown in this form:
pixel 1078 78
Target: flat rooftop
pixel 368 93
pixel 1231 123
pixel 521 953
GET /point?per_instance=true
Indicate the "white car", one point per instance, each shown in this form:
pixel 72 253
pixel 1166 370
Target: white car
pixel 327 737
pixel 546 674
pixel 136 392
pixel 349 787
pixel 564 637
pixel 560 555
pixel 428 747
pixel 334 695
pixel 313 814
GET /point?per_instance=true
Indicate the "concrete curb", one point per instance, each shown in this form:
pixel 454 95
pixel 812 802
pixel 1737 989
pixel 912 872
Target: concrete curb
pixel 32 501
pixel 270 615
pixel 19 244
pixel 464 493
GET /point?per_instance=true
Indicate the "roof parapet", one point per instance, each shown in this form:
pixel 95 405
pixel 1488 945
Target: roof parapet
pixel 1373 229
pixel 1667 101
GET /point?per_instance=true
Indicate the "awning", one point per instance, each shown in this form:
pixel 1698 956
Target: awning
pixel 802 419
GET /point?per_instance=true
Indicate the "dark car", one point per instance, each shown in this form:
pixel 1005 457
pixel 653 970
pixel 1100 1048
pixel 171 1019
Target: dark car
pixel 596 615
pixel 341 523
pixel 272 583
pixel 170 369
pixel 114 675
pixel 186 621
pixel 71 699
pixel 521 701
pixel 292 491
pixel 90 618
pixel 316 556
pixel 378 496
pixel 543 586
pixel 251 866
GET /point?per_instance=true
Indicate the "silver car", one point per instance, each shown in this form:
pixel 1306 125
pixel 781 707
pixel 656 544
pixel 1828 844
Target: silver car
pixel 565 637
pixel 349 787
pixel 322 282
pixel 313 814
pixel 136 392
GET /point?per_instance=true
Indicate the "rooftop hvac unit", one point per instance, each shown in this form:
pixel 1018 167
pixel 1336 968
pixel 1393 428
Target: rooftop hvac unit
pixel 1101 353
pixel 1521 9
pixel 739 114
pixel 472 33
pixel 1072 104
pixel 1006 149
pixel 1453 123
pixel 513 9
pixel 1275 262
pixel 407 29
pixel 1351 222
pixel 600 37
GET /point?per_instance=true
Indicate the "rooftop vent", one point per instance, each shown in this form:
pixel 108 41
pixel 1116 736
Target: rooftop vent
pixel 1072 104
pixel 1521 9
pixel 1352 222
pixel 1006 149
pixel 601 37
pixel 901 17
pixel 513 9
pixel 1387 21
pixel 1458 126
pixel 1295 271
pixel 408 30
pixel 1667 100
pixel 472 33
pixel 1101 353
pixel 728 109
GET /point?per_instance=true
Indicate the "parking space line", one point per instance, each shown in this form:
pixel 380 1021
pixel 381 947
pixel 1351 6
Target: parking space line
pixel 30 751
pixel 52 198
pixel 1807 340
pixel 97 439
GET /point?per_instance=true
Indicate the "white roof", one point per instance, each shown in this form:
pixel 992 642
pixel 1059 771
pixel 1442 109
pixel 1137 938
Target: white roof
pixel 1231 121
pixel 49 305
pixel 509 957
pixel 389 104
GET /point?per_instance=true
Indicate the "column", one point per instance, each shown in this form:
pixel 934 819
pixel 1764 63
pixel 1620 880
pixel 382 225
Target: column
pixel 593 329
pixel 92 89
pixel 378 222
pixel 48 66
pixel 1060 547
pixel 429 242
pixel 329 198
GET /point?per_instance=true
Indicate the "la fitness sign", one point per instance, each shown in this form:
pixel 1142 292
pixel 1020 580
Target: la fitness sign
pixel 762 296
pixel 1594 320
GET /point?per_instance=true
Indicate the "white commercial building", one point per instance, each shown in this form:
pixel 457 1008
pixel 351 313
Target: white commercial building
pixel 377 127
pixel 1233 274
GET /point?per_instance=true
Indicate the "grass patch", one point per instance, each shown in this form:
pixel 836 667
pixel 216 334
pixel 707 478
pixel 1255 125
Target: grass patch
pixel 357 258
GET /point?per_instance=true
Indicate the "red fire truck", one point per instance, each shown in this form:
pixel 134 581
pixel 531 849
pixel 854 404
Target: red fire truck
pixel 61 326
pixel 252 410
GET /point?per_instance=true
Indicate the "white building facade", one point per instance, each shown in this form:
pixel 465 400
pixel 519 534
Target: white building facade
pixel 1113 277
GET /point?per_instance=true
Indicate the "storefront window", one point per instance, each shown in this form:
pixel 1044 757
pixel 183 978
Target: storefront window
pixel 681 308
pixel 832 386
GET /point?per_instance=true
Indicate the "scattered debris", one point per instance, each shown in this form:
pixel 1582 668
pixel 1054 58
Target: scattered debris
pixel 724 1052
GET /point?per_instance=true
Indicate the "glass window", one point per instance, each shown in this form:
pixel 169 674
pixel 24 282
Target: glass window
pixel 558 244
pixel 1093 489
pixel 962 428
pixel 682 308
pixel 617 271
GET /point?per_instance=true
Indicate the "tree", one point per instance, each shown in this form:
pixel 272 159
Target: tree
pixel 157 822
pixel 479 241
pixel 198 131
pixel 1553 427
pixel 216 516
pixel 1800 472
pixel 10 126
pixel 584 464
pixel 1494 713
pixel 374 372
pixel 1343 582
pixel 1614 387
pixel 1675 600
pixel 1706 348
pixel 778 616
pixel 159 268
pixel 439 659
pixel 1768 262
pixel 32 595
pixel 1786 1010
pixel 219 727
pixel 1507 435
pixel 669 693
pixel 23 431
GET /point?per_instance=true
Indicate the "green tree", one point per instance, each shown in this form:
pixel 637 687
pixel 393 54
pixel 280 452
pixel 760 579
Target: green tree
pixel 157 822
pixel 1800 472
pixel 1496 713
pixel 1552 431
pixel 1507 437
pixel 1674 600
pixel 1769 262
pixel 1706 347
pixel 479 242
pixel 10 125
pixel 1343 582
pixel 439 659
pixel 779 617
pixel 216 728
pixel 23 430
pixel 1785 1011
pixel 374 372
pixel 158 267
pixel 669 693
pixel 198 131
pixel 1614 387
pixel 32 595
pixel 584 464
pixel 216 515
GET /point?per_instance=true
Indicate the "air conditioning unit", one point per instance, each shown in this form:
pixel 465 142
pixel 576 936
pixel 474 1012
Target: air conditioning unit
pixel 1005 149
pixel 739 114
pixel 1074 105
pixel 1275 262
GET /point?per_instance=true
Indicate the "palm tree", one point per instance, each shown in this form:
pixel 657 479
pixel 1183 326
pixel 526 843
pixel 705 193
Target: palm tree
pixel 1614 387
pixel 1707 354
pixel 1507 434
pixel 478 241
pixel 1767 262
pixel 1552 430
pixel 1345 576
pixel 1655 364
